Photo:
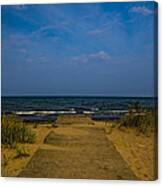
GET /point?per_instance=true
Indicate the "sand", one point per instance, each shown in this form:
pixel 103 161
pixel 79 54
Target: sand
pixel 136 152
pixel 139 151
pixel 87 156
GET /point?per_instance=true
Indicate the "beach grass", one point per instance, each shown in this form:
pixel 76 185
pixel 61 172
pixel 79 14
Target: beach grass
pixel 13 131
pixel 143 122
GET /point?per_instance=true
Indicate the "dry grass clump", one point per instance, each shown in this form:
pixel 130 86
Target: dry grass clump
pixel 14 135
pixel 5 159
pixel 13 131
pixel 144 123
pixel 143 120
pixel 21 152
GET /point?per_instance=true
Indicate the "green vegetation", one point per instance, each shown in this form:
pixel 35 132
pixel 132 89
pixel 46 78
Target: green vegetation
pixel 144 121
pixel 14 131
pixel 21 152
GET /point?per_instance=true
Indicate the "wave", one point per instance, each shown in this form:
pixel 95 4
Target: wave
pixel 116 111
pixel 88 112
pixel 43 112
pixel 72 111
pixel 51 115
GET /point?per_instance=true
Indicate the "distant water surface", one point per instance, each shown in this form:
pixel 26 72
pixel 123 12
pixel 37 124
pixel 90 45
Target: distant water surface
pixel 71 105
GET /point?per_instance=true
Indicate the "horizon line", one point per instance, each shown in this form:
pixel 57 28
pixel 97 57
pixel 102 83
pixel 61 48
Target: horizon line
pixel 79 95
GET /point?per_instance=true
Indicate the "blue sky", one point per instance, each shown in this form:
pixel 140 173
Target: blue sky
pixel 78 49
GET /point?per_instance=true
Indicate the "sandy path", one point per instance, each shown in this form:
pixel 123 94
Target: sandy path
pixel 90 155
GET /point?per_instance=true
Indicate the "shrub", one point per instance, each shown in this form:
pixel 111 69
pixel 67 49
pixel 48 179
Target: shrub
pixel 13 145
pixel 21 152
pixel 143 122
pixel 13 130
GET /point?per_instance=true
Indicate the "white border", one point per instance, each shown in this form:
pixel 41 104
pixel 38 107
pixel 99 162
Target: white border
pixel 62 182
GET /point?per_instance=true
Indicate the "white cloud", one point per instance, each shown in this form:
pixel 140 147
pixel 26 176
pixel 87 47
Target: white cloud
pixel 100 56
pixel 141 9
pixel 82 58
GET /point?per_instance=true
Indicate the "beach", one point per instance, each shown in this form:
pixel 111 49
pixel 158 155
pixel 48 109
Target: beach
pixel 83 148
pixel 79 96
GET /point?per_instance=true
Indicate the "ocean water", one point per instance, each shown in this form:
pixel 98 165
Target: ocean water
pixel 46 108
